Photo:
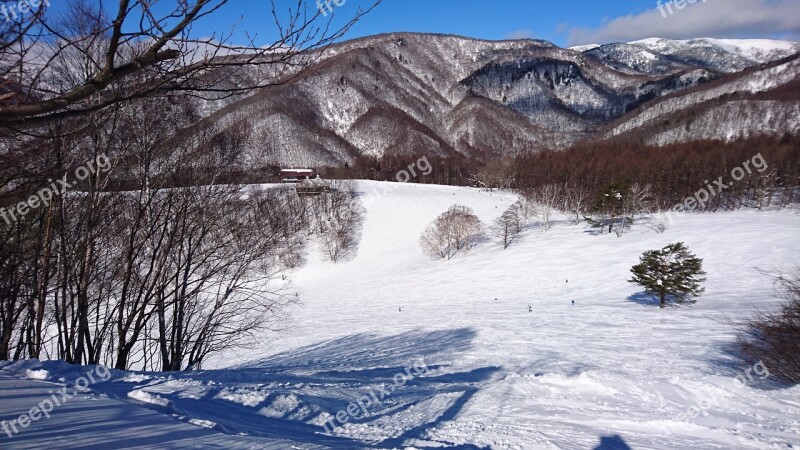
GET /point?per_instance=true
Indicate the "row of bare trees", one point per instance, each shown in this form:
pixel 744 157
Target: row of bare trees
pixel 577 176
pixel 336 219
pixel 164 259
pixel 157 275
pixel 615 210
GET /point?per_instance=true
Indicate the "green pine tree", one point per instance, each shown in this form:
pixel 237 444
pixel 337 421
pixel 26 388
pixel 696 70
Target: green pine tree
pixel 608 205
pixel 670 272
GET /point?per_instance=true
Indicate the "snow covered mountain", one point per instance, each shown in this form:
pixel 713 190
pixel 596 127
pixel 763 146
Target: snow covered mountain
pixel 406 93
pixel 753 50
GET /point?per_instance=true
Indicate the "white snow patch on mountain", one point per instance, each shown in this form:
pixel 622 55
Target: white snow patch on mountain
pixel 761 50
pixel 584 48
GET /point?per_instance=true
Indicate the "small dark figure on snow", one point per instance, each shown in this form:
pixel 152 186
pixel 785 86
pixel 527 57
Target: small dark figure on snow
pixel 573 303
pixel 400 309
pixel 530 309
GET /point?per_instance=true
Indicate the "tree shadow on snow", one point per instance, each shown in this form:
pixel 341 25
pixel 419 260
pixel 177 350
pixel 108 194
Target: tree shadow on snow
pixel 612 443
pixel 369 350
pixel 732 363
pixel 644 299
pixel 292 393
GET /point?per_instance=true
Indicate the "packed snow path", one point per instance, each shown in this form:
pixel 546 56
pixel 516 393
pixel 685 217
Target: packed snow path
pixel 89 421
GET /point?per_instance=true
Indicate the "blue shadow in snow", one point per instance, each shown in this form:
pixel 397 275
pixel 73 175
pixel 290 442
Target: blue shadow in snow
pixel 644 299
pixel 306 383
pixel 612 443
pixel 731 362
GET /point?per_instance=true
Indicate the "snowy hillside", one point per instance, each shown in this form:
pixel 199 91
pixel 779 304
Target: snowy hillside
pixel 410 93
pixel 612 369
pixel 722 118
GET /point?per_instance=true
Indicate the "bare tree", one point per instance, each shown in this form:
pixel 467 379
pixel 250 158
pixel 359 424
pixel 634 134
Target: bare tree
pixel 82 58
pixel 617 204
pixel 341 216
pixel 138 266
pixel 576 196
pixel 215 292
pixel 510 224
pixel 456 229
pixel 545 201
pixel 497 174
pixel 637 199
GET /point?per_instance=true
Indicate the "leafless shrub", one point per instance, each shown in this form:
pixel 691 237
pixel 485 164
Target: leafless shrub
pixel 456 229
pixel 774 337
pixel 658 221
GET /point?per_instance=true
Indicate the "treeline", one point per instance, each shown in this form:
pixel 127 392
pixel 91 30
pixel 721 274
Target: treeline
pixel 447 170
pixel 154 259
pixel 671 173
pixel 675 172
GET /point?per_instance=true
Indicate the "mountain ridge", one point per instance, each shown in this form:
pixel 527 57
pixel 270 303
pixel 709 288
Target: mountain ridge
pixel 412 93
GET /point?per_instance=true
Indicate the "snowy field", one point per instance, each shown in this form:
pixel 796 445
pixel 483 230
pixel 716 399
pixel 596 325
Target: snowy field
pixel 612 371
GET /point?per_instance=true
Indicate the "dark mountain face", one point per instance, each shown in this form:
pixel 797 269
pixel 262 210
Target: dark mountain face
pixel 446 95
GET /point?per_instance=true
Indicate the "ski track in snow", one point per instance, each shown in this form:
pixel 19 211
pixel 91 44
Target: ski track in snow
pixel 614 369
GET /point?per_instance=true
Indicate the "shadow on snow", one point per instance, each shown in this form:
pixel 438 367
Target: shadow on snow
pixel 288 395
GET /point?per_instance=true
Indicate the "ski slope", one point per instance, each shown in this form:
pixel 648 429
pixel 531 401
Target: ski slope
pixel 611 371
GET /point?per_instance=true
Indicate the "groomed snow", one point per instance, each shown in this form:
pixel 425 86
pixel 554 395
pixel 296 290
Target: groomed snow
pixel 612 369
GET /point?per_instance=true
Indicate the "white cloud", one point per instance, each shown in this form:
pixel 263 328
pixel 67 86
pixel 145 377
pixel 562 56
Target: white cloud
pixel 703 18
pixel 520 34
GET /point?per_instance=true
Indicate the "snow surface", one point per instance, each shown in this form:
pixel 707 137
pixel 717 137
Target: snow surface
pixel 611 371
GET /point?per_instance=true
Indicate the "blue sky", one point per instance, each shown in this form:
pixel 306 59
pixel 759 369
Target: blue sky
pixel 498 19
pixel 564 22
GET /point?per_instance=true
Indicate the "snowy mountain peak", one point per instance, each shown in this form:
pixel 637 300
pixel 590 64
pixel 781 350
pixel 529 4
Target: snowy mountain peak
pixel 761 50
pixel 757 50
pixel 584 48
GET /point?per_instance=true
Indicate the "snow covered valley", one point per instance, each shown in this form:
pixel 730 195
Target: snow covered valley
pixel 509 361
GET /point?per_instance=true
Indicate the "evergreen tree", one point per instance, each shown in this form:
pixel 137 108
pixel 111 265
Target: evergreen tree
pixel 609 208
pixel 670 272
